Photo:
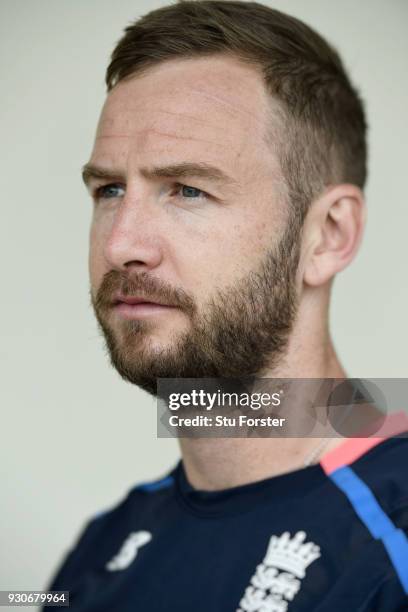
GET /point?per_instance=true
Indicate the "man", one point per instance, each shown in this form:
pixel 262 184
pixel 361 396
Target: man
pixel 227 179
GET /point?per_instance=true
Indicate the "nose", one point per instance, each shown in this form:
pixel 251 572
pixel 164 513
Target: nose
pixel 133 239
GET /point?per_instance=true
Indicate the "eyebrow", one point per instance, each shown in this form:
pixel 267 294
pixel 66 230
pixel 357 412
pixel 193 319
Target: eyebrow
pixel 180 170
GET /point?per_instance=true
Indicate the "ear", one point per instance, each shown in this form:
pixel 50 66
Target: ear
pixel 333 233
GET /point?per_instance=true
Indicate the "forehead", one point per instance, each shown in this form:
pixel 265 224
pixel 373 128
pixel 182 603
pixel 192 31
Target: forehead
pixel 214 106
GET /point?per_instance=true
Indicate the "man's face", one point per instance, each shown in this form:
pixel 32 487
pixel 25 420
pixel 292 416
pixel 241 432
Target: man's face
pixel 192 217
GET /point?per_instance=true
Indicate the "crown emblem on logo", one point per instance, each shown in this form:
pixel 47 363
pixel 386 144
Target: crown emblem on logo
pixel 291 555
pixel 277 579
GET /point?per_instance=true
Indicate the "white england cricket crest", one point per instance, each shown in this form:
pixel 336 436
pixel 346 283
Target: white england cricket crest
pixel 270 589
pixel 128 550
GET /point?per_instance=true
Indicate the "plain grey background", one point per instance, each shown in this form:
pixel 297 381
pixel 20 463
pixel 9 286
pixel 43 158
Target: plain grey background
pixel 75 437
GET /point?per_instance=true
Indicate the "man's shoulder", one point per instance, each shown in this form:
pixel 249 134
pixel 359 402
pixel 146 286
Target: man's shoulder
pixel 385 464
pixel 147 493
pixel 384 470
pixel 379 461
pixel 101 532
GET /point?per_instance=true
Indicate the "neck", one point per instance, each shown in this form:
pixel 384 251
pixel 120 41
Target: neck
pixel 221 463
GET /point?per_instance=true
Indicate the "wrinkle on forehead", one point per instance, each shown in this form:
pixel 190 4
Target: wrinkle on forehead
pixel 152 131
pixel 205 115
pixel 233 105
pixel 233 109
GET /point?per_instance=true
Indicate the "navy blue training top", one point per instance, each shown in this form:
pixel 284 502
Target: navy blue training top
pixel 290 543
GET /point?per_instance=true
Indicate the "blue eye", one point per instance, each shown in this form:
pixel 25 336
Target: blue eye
pixel 108 191
pixel 191 192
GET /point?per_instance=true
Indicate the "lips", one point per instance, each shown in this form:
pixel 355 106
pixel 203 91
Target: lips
pixel 136 300
pixel 139 307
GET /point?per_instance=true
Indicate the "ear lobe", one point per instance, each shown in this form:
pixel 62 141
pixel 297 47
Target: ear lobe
pixel 338 225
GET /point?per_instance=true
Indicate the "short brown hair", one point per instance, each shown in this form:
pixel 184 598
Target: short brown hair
pixel 323 136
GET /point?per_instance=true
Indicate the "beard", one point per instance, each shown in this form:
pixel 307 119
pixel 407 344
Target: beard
pixel 242 330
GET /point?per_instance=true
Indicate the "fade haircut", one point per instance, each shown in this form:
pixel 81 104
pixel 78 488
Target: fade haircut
pixel 321 134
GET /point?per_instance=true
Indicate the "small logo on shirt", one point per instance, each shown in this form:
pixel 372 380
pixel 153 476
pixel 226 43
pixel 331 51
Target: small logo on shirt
pixel 271 590
pixel 128 550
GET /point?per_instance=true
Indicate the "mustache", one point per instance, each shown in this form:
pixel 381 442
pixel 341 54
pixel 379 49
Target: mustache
pixel 143 285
